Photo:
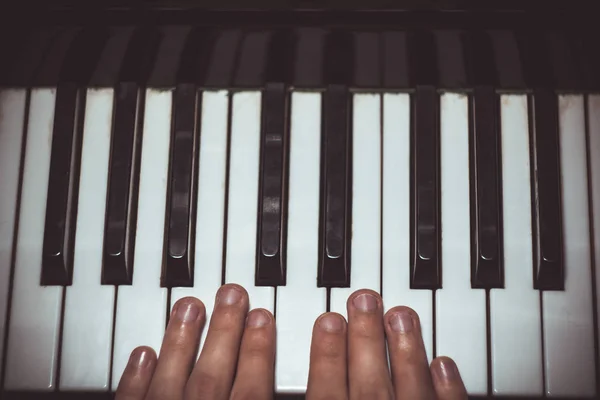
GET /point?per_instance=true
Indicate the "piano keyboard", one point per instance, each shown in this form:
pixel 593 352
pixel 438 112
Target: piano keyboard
pixel 454 172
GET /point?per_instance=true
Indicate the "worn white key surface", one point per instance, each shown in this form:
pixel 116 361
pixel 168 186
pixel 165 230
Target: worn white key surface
pixel 35 313
pixel 300 302
pixel 208 258
pixel 515 310
pixel 88 315
pixel 244 164
pixel 594 170
pixel 142 306
pixel 396 217
pixel 568 315
pixel 366 200
pixel 12 121
pixel 460 310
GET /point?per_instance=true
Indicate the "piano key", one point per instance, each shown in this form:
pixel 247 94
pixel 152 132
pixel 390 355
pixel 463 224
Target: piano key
pixel 366 201
pixel 119 234
pixel 222 68
pixel 179 269
pixel 367 60
pixel 61 207
pixel 487 269
pixel 547 228
pixel 336 212
pixel 396 211
pixel 242 202
pixel 251 65
pixel 517 306
pixel 309 57
pixel 271 234
pixel 35 310
pixel 425 210
pixel 208 256
pixel 89 305
pixel 563 62
pixel 122 198
pixel 460 330
pixel 300 302
pixel 13 103
pixel 536 65
pixel 395 66
pixel 593 145
pixel 141 307
pixel 568 315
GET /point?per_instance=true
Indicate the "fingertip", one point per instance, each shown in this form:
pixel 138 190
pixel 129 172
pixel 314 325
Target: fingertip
pixel 142 357
pixel 259 318
pixel 401 319
pixel 331 322
pixel 188 309
pixel 447 381
pixel 136 378
pixel 364 300
pixel 231 294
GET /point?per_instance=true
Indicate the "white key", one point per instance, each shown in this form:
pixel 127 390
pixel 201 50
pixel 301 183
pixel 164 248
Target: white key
pixel 35 314
pixel 568 315
pixel 12 120
pixel 515 310
pixel 88 318
pixel 211 204
pixel 300 302
pixel 142 306
pixel 594 168
pixel 366 201
pixel 396 217
pixel 243 198
pixel 460 310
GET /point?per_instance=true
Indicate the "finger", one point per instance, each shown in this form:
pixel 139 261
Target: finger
pixel 137 375
pixel 368 373
pixel 446 380
pixel 212 376
pixel 256 365
pixel 178 350
pixel 327 376
pixel 410 370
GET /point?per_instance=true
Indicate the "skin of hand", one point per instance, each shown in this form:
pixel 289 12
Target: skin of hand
pixel 348 360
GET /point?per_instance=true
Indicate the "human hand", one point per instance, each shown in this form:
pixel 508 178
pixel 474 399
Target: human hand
pixel 348 360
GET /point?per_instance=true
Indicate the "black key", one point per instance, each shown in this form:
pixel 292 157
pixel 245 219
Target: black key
pixel 336 168
pixel 547 217
pixel 336 190
pixel 61 206
pixel 63 183
pixel 485 178
pixel 121 210
pixel 272 204
pixel 181 210
pixel 271 238
pixel 486 194
pixel 196 56
pixel 425 206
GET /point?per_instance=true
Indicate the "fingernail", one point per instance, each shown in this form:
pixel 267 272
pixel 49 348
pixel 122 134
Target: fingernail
pixel 401 322
pixel 365 302
pixel 446 370
pixel 331 323
pixel 257 319
pixel 187 312
pixel 229 296
pixel 140 358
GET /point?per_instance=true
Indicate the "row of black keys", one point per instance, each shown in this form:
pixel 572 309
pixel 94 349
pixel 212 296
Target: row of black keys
pixel 336 189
